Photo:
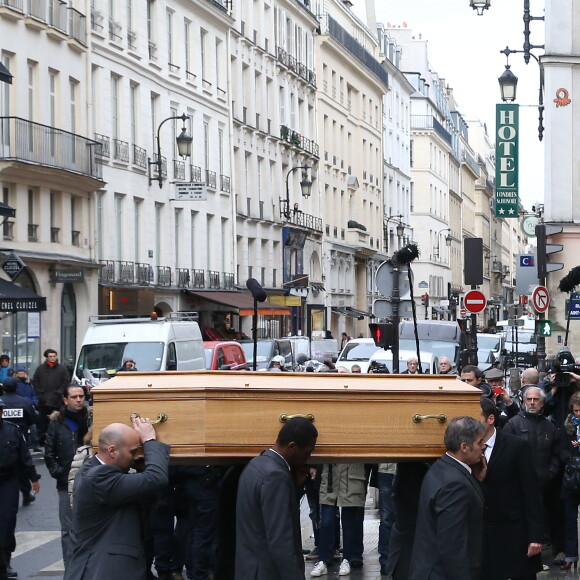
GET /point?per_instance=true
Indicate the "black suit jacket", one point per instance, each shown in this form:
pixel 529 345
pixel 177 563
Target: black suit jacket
pixel 513 510
pixel 449 533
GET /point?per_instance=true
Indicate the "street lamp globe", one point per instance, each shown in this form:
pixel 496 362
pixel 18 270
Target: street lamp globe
pixel 508 83
pixel 306 186
pixel 184 141
pixel 400 229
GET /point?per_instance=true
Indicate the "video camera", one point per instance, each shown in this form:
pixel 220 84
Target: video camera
pixel 564 363
pixel 378 368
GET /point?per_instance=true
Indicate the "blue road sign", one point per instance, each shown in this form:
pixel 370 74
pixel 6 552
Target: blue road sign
pixel 573 309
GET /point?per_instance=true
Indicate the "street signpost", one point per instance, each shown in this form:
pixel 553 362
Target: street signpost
pixel 463 312
pixel 540 298
pixel 573 309
pixel 384 308
pixel 475 301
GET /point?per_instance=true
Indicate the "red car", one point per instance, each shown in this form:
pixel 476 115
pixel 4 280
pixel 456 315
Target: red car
pixel 224 355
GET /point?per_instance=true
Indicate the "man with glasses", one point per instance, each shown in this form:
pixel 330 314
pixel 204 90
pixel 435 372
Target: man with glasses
pixel 507 407
pixel 66 430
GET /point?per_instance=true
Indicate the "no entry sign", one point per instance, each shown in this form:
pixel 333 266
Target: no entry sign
pixel 474 301
pixel 540 298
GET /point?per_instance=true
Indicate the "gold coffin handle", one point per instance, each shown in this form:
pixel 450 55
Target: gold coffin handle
pixel 418 418
pixel 284 417
pixel 161 418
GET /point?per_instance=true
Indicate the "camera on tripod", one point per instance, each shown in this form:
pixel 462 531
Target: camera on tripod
pixel 378 368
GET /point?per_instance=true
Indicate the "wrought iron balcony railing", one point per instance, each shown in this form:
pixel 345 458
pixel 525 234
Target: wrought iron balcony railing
pixel 23 140
pixel 299 218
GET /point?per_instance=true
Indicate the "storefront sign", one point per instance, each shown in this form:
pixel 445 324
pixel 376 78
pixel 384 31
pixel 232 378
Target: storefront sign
pixel 13 266
pixel 506 154
pixel 68 276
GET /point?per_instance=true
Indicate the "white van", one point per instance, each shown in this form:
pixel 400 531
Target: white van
pixel 169 344
pixel 357 351
pixel 429 362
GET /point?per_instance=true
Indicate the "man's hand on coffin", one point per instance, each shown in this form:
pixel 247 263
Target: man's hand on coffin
pixel 144 429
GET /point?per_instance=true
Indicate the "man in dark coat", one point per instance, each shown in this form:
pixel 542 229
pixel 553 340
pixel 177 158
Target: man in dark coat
pixel 49 380
pixel 22 413
pixel 512 505
pixel 449 531
pixel 268 538
pixel 108 503
pixel 548 447
pixel 14 460
pixel 65 434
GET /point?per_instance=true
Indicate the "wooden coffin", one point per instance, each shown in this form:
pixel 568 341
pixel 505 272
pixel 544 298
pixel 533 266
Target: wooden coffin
pixel 222 417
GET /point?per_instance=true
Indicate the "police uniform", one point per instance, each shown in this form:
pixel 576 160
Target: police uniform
pixel 14 459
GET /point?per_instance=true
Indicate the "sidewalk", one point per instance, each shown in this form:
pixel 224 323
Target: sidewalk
pixel 372 569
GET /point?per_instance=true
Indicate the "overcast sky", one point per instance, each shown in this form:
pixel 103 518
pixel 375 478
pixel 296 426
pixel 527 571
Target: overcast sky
pixel 464 50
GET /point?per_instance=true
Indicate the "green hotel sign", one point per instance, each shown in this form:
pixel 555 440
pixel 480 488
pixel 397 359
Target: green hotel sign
pixel 506 161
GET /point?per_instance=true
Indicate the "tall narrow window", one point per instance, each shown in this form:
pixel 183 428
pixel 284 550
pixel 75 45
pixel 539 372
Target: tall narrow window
pixel 177 237
pixel 221 150
pixel 133 107
pixel 131 35
pixel 170 38
pixel 100 226
pixel 5 101
pixel 219 60
pixel 73 105
pixel 137 204
pixel 206 144
pixel 75 232
pixel 173 113
pixel 52 97
pixel 151 29
pixel 31 95
pixel 154 98
pixel 203 51
pixel 159 227
pixel 115 106
pixel 119 226
pixel 187 41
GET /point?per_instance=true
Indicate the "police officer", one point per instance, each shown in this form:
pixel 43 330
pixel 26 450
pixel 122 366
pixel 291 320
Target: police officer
pixel 14 459
pixel 22 413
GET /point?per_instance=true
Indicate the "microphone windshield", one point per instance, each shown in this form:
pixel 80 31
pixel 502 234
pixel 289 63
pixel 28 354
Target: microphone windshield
pixel 256 289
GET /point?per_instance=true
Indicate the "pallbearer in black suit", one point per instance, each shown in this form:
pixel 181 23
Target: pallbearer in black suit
pixel 268 538
pixel 513 526
pixel 449 532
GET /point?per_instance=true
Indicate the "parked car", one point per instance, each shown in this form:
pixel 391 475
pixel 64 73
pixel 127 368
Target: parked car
pixel 442 338
pixel 267 349
pixel 224 355
pixel 524 341
pixel 429 361
pixel 357 351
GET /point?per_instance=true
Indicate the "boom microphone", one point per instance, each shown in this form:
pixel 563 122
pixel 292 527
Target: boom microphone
pixel 569 282
pixel 256 289
pixel 407 254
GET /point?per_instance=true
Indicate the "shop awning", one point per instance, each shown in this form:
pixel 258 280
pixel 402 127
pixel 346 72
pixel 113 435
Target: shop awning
pixel 5 75
pixel 15 298
pixel 350 311
pixel 241 303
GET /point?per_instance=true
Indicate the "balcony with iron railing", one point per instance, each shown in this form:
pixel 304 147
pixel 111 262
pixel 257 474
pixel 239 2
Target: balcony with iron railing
pixel 179 169
pixel 163 276
pixel 295 66
pixel 195 172
pixel 29 142
pixel 198 278
pixel 297 140
pixel 225 183
pixel 121 150
pixel 14 5
pixel 429 122
pixel 143 274
pixel 210 178
pixel 103 146
pixel 213 278
pixel 33 232
pixel 77 25
pixel 299 218
pixel 139 156
pixel 8 230
pixel 57 16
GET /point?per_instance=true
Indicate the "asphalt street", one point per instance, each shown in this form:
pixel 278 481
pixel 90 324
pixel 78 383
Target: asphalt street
pixel 38 553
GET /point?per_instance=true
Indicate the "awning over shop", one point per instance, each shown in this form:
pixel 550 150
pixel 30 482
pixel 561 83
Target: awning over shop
pixel 350 311
pixel 15 298
pixel 241 303
pixel 5 75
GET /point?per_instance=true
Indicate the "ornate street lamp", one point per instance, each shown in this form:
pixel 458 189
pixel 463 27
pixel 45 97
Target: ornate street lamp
pixel 508 83
pixel 183 141
pixel 479 5
pixel 305 186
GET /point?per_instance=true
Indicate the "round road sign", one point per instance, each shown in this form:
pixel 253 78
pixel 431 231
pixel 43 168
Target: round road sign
pixel 540 298
pixel 463 312
pixel 474 301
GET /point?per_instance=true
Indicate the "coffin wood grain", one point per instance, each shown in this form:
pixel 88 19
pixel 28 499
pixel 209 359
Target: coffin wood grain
pixel 224 417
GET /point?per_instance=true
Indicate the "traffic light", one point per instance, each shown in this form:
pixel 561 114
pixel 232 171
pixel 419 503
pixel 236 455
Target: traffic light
pixel 425 299
pixel 544 249
pixel 544 328
pixel 383 334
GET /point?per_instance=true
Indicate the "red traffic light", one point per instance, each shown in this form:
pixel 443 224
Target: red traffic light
pixel 382 334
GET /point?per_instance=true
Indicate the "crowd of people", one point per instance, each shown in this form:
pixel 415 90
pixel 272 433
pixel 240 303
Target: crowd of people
pixel 501 477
